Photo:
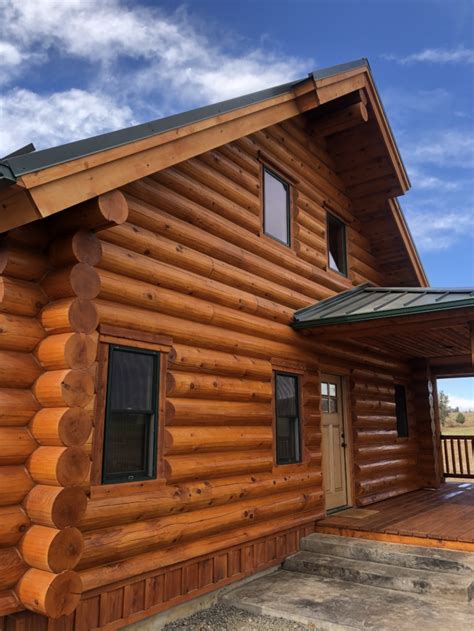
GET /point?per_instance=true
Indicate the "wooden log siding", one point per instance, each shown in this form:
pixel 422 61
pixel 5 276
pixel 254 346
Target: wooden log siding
pixel 190 263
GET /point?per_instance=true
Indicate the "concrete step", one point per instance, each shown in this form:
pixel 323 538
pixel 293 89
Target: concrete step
pixel 444 585
pixel 415 557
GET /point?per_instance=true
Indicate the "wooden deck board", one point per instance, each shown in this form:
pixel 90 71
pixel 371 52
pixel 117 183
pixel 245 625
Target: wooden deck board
pixel 444 515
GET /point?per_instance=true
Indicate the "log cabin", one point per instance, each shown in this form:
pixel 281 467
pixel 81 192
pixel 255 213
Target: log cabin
pixel 215 331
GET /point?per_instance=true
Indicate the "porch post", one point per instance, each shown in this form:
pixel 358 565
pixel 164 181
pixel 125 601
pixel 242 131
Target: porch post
pixel 427 424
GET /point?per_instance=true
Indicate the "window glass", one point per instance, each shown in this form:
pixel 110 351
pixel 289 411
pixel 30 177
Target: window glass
pixel 401 411
pixel 287 419
pixel 336 238
pixel 131 415
pixel 276 207
pixel 329 397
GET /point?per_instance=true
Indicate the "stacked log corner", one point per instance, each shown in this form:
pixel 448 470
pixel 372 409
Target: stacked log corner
pixel 48 353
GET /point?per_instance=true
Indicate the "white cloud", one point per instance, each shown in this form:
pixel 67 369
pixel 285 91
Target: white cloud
pixel 131 57
pixel 434 232
pixel 49 120
pixel 445 148
pixel 435 55
pixel 421 181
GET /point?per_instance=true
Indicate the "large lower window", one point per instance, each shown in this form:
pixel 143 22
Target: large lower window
pixel 276 207
pixel 130 430
pixel 336 243
pixel 287 426
pixel 401 411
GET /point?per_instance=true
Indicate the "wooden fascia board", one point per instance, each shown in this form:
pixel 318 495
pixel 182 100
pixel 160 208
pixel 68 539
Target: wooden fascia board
pixel 68 184
pixel 408 243
pixel 16 208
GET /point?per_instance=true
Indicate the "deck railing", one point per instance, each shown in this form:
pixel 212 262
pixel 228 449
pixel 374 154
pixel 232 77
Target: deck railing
pixel 458 456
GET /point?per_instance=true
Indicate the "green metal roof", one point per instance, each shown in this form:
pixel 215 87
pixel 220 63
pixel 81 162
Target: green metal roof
pixel 369 303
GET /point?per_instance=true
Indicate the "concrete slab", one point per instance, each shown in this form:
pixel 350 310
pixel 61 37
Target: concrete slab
pixel 330 605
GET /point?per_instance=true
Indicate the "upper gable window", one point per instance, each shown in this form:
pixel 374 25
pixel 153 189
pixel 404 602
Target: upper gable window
pixel 336 237
pixel 276 207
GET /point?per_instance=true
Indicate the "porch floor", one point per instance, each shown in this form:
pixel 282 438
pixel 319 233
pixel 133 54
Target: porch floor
pixel 441 517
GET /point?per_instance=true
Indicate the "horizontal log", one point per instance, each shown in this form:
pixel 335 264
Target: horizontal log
pixel 18 370
pixel 51 549
pixel 188 440
pixel 375 469
pixel 110 544
pixel 51 595
pixel 82 246
pixel 68 427
pixel 124 262
pixel 60 388
pixel 161 248
pixel 96 214
pixel 374 436
pixel 207 412
pixel 68 350
pixel 22 263
pixel 172 499
pixel 182 384
pixel 16 444
pixel 216 465
pixel 20 297
pixel 177 179
pixel 191 358
pixel 365 487
pixel 14 484
pixel 232 164
pixel 383 451
pixel 151 561
pixel 55 506
pixel 13 523
pixel 17 407
pixel 19 333
pixel 79 280
pixel 198 235
pixel 379 496
pixel 59 466
pixel 70 314
pixel 13 567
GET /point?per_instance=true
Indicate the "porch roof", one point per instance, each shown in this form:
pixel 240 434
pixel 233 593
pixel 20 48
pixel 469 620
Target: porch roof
pixel 367 302
pixel 413 322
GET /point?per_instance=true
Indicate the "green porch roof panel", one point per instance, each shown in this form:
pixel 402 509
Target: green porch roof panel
pixel 367 302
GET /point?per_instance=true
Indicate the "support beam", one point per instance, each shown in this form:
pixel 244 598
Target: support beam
pixel 342 120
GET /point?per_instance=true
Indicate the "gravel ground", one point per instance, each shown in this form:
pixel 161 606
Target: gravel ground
pixel 224 618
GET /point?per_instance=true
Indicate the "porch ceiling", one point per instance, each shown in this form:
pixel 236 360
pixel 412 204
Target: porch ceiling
pixel 412 322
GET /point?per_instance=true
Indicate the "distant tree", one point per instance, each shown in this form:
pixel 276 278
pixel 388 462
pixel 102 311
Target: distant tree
pixel 443 403
pixel 460 418
pixel 456 409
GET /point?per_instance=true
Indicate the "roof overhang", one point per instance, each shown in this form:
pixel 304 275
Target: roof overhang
pixel 435 324
pixel 58 178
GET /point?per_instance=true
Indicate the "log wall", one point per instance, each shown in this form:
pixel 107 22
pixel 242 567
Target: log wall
pixel 186 259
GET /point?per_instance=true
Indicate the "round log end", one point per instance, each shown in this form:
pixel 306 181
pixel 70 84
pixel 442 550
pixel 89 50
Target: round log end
pixel 113 206
pixel 51 595
pixel 85 281
pixel 364 114
pixel 72 467
pixel 83 316
pixel 75 427
pixel 169 412
pixel 55 506
pixel 77 388
pixel 80 351
pixel 170 383
pixel 52 550
pixel 86 247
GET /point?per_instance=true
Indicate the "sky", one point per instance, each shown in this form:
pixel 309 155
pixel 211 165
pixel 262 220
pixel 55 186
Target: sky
pixel 75 68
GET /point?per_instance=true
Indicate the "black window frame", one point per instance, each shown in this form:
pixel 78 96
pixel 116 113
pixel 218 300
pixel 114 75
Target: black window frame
pixel 297 458
pixel 287 187
pixel 331 218
pixel 150 469
pixel 401 411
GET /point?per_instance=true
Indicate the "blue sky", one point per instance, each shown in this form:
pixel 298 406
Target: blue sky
pixel 75 68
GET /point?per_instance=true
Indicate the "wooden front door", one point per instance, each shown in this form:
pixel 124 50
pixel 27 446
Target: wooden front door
pixel 333 443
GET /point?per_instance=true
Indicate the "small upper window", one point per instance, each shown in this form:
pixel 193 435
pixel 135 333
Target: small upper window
pixel 287 419
pixel 401 411
pixel 131 415
pixel 276 207
pixel 336 238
